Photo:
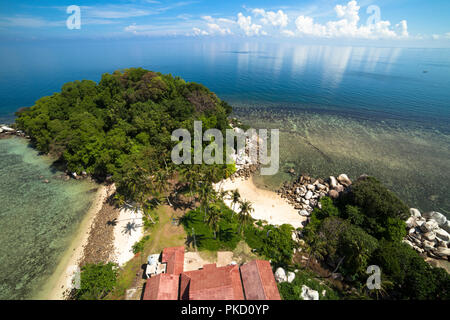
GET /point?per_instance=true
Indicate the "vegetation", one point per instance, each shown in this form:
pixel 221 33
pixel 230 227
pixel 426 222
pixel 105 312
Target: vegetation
pixel 365 227
pixel 292 291
pixel 121 128
pixel 96 281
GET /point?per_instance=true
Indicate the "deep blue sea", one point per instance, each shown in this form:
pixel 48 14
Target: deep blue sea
pixel 404 83
pixel 375 110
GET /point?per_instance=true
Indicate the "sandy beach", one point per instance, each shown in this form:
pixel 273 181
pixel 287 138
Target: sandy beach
pixel 62 278
pixel 267 205
pixel 128 230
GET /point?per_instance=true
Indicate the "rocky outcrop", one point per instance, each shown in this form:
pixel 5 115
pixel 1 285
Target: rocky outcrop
pixel 309 294
pixel 304 194
pixel 427 234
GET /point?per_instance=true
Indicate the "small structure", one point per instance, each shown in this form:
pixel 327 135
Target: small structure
pixel 154 267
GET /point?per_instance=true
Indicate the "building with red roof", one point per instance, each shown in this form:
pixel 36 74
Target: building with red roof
pixel 258 281
pixel 173 257
pixel 212 283
pixel 251 281
pixel 162 287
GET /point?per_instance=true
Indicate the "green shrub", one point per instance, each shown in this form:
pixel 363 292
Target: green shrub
pixel 97 280
pixel 139 245
pixel 377 204
pixel 413 278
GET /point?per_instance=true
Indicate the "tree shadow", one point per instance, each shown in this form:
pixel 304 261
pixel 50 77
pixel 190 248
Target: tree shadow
pixel 112 222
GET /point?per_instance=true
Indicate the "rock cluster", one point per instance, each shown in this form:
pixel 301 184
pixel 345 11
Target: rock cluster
pixel 429 234
pixel 309 294
pixel 246 159
pixel 6 131
pixel 304 194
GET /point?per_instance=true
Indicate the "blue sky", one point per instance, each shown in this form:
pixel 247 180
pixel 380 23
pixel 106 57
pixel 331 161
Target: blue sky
pixel 398 20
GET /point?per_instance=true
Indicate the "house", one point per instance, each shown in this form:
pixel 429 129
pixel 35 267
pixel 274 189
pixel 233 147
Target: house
pixel 251 281
pixel 212 283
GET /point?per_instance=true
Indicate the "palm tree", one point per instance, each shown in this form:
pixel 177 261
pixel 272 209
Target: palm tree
pixel 160 180
pixel 223 194
pixel 235 198
pixel 207 195
pixel 244 214
pixel 214 218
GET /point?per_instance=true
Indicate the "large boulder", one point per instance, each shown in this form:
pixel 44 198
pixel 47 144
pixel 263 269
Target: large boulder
pixel 7 129
pixel 411 222
pixel 333 194
pixel 430 236
pixel 343 179
pixel 290 276
pixel 428 226
pixel 436 216
pixel 428 245
pixel 309 294
pixel 308 195
pixel 442 252
pixel 442 234
pixel 333 182
pixel 280 275
pixel 446 226
pixel 415 213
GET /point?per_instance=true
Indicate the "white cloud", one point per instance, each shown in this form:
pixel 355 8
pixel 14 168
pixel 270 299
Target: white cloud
pixel 348 26
pixel 198 32
pixel 249 28
pixel 288 33
pixel 216 29
pixel 276 19
pixel 29 22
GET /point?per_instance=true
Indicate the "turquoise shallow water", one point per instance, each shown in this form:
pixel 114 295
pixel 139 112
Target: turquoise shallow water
pixel 37 219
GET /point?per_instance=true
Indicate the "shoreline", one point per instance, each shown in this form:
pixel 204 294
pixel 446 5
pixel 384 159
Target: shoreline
pixel 59 282
pixel 267 205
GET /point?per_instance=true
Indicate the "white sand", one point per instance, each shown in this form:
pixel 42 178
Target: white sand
pixel 62 278
pixel 267 205
pixel 128 230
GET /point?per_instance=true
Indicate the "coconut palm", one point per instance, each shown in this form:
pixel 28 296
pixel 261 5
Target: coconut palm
pixel 244 214
pixel 235 198
pixel 160 180
pixel 214 218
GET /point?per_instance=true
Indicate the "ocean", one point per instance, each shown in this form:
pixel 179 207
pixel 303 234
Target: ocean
pixel 340 109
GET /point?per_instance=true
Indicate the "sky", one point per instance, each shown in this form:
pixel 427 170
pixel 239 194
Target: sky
pixel 399 21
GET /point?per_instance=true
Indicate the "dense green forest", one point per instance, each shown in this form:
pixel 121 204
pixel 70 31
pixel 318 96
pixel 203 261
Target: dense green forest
pixel 121 127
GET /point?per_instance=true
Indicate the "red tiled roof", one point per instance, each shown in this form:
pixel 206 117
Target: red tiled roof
pixel 212 283
pixel 259 282
pixel 174 258
pixel 162 287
